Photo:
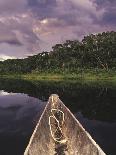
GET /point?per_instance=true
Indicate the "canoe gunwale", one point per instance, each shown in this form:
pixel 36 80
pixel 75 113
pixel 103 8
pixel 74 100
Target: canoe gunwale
pixel 72 123
pixel 33 134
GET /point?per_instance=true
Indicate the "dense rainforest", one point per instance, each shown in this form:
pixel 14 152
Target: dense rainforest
pixel 93 52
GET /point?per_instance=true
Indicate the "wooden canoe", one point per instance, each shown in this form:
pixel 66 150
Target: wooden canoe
pixel 58 132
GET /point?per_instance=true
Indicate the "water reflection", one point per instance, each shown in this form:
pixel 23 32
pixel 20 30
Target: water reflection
pixel 104 133
pixel 18 116
pixel 93 104
pixel 94 101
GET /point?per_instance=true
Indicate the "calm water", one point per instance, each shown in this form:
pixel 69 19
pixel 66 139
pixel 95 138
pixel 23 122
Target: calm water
pixel 22 102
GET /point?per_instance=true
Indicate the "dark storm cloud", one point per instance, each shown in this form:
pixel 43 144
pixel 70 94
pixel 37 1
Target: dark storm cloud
pixel 67 12
pixel 109 15
pixel 31 24
pixel 72 12
pixel 11 42
pixel 41 3
pixel 7 36
pixel 103 3
pixel 42 8
pixel 17 30
pixel 11 6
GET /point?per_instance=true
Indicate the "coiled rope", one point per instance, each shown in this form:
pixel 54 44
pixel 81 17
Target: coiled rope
pixel 59 123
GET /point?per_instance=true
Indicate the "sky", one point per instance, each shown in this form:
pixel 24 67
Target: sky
pixel 28 27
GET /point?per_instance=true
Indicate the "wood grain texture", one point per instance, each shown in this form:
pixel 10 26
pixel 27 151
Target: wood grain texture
pixel 79 142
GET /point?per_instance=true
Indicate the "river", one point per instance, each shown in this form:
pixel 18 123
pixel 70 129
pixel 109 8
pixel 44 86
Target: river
pixel 22 102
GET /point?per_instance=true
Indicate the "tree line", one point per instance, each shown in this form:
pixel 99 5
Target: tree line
pixel 95 51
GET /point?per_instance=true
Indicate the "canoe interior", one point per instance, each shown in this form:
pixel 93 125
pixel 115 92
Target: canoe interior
pixel 77 140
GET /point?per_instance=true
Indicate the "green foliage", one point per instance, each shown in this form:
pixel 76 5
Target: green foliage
pixel 93 52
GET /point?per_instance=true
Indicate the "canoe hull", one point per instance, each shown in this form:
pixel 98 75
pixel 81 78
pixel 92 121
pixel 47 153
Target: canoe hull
pixel 78 141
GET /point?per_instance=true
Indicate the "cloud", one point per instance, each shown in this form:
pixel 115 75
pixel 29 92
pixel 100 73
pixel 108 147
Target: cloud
pixel 59 20
pixel 42 8
pixel 63 18
pixel 109 15
pixel 35 25
pixel 5 57
pixel 17 30
pixel 11 6
pixel 7 36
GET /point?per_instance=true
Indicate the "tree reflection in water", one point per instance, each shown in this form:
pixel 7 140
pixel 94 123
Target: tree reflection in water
pixel 94 102
pixel 93 105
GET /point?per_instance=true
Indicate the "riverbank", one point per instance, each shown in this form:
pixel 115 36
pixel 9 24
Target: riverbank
pixel 87 75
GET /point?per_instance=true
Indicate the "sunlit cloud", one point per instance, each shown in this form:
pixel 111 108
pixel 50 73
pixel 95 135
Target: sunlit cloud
pixel 5 57
pixel 44 21
pixel 30 26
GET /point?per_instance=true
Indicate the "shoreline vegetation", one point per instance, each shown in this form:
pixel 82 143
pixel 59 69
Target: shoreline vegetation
pixel 90 79
pixel 92 59
pixel 85 75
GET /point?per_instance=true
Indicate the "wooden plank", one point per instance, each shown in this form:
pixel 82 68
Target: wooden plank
pixel 55 136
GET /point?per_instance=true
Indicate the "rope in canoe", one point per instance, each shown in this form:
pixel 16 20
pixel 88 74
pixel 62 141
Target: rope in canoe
pixel 59 139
